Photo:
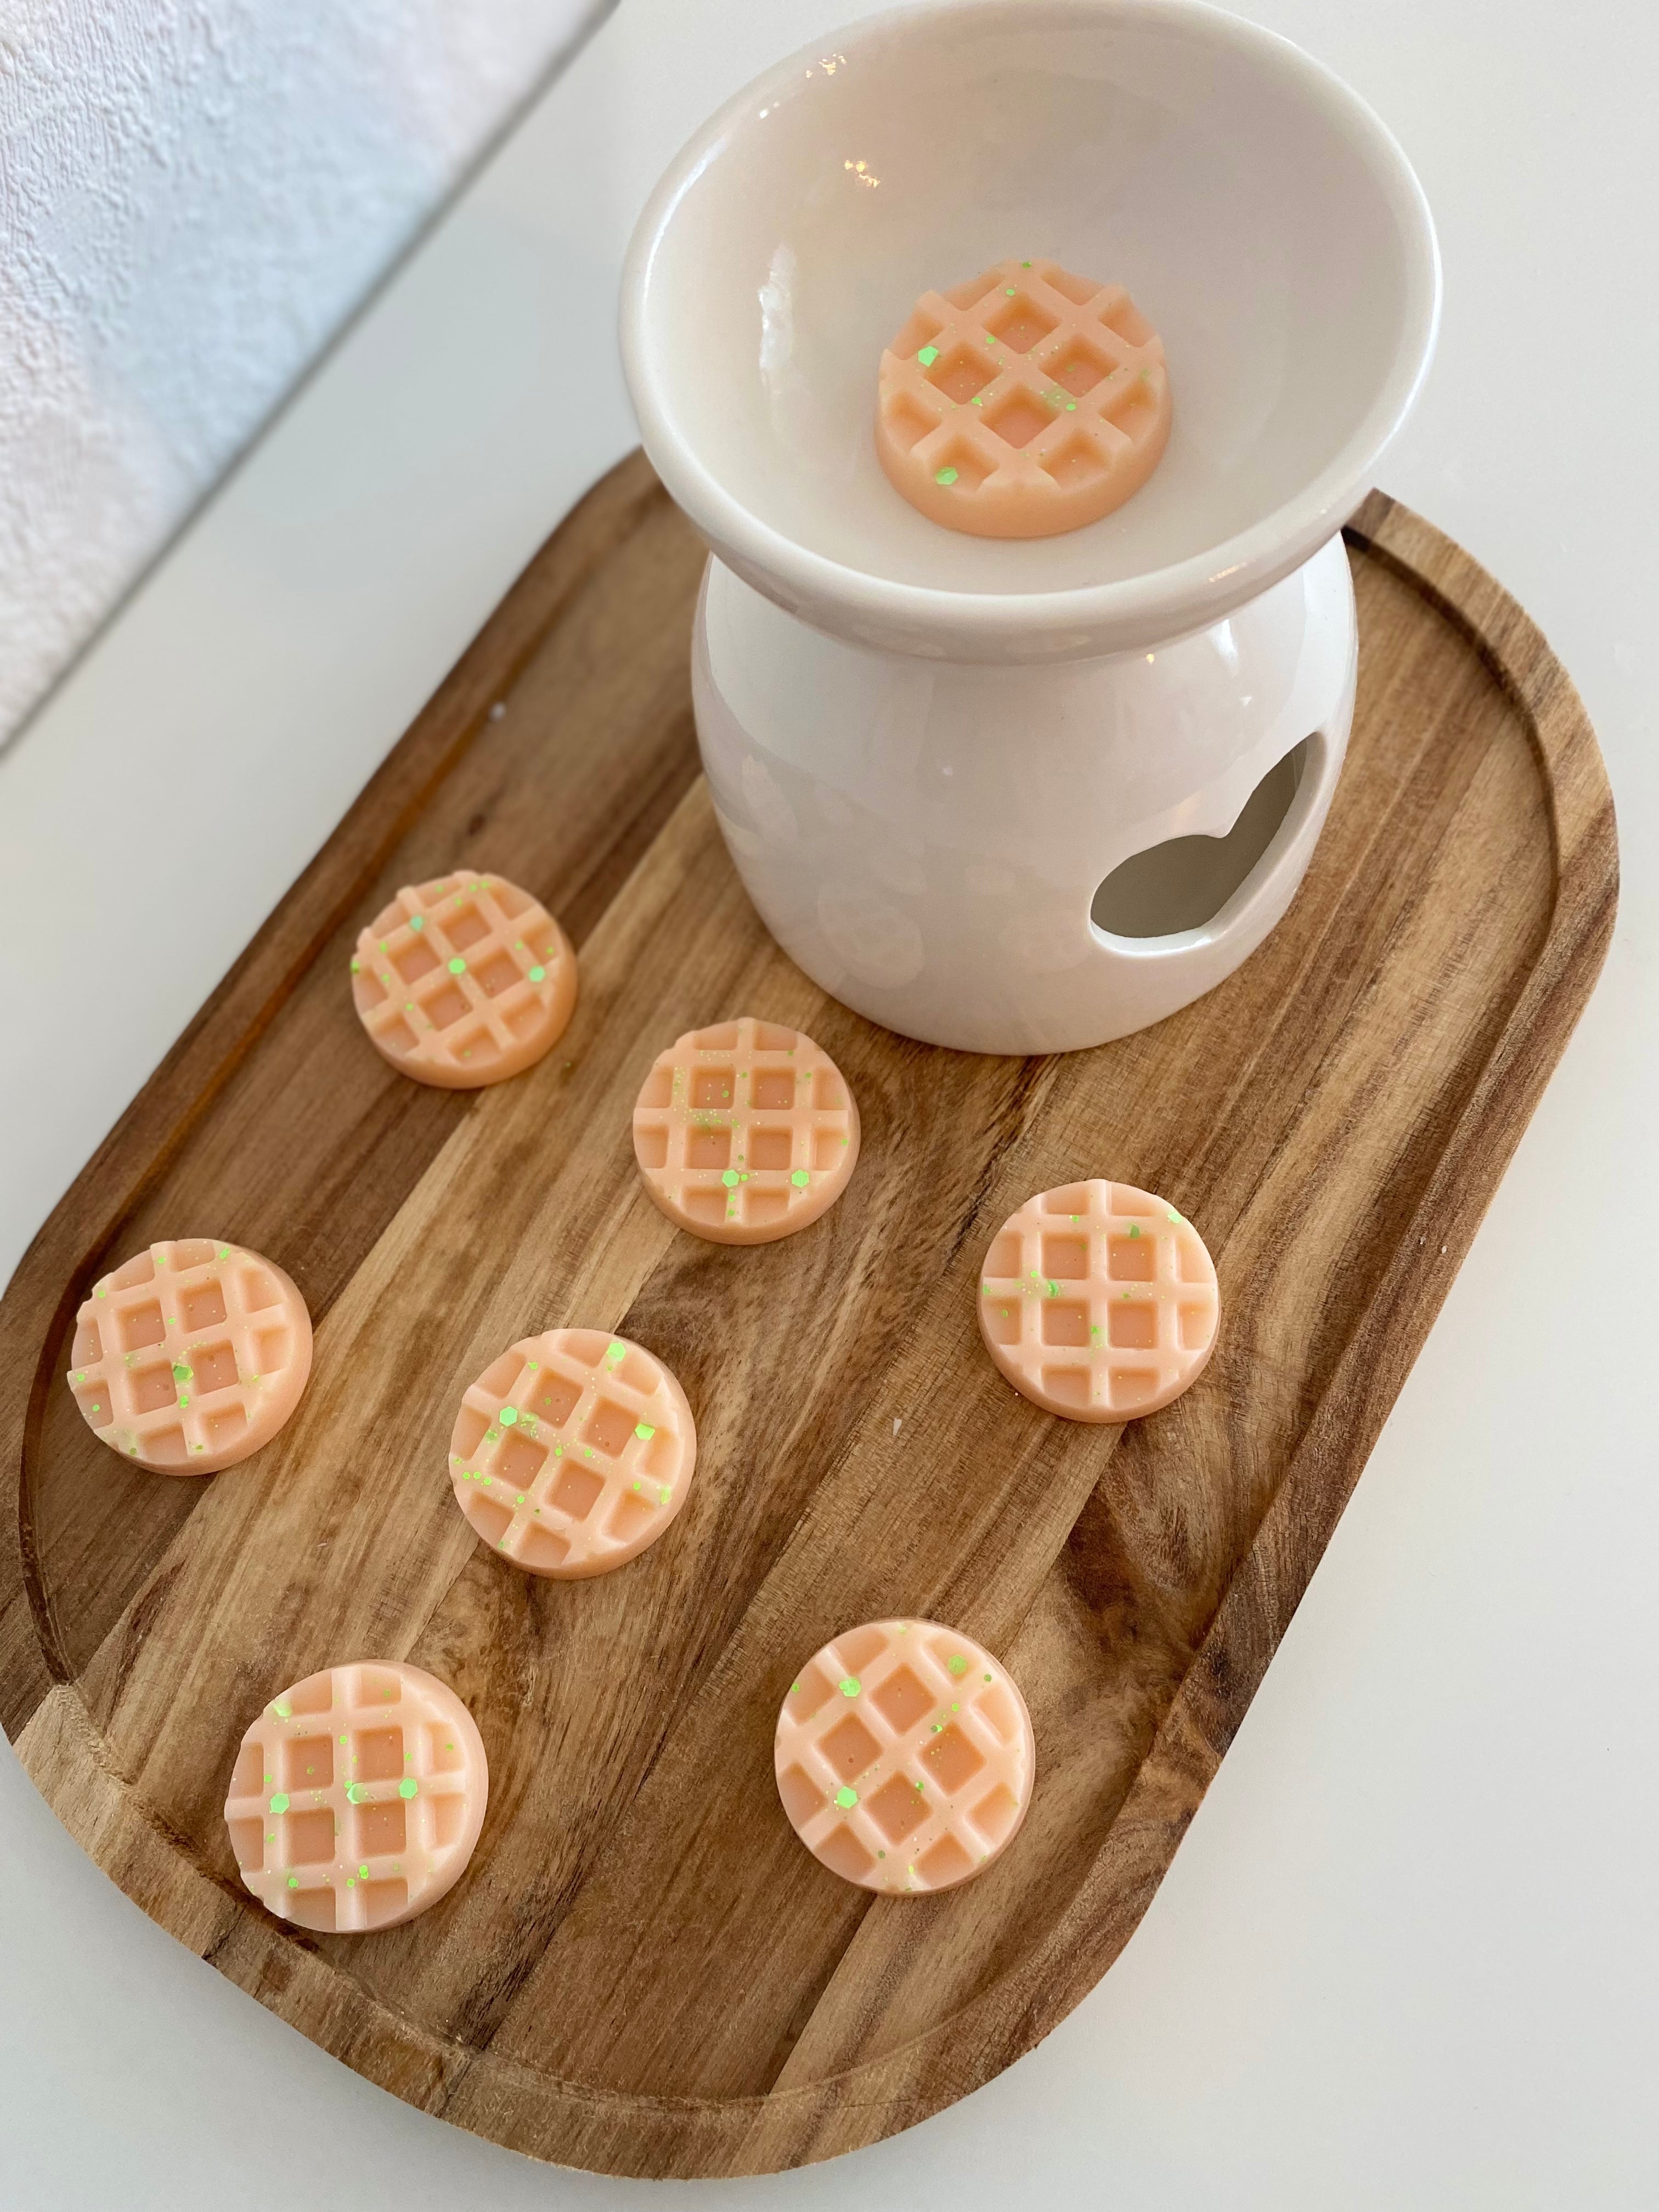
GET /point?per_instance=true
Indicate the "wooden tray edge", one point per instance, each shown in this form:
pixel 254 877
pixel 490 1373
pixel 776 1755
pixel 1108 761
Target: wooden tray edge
pixel 820 2119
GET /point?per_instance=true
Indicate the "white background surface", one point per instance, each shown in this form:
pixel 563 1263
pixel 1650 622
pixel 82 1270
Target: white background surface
pixel 193 193
pixel 1408 1955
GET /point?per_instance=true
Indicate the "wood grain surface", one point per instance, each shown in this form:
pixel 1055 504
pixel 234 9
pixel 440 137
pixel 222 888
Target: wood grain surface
pixel 643 1972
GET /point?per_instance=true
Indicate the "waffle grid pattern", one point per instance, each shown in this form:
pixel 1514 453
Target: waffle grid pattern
pixel 1098 1301
pixel 746 1132
pixel 191 1356
pixel 573 1452
pixel 463 980
pixel 358 1797
pixel 1026 402
pixel 939 1781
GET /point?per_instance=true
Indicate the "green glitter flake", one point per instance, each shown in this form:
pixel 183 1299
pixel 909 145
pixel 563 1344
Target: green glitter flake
pixel 801 1178
pixel 945 476
pixel 356 966
pixel 1024 265
pixel 851 1685
pixel 538 975
pixel 408 1787
pixel 417 921
pixel 279 1802
pixel 293 1881
pixel 356 1793
pixel 457 966
pixel 644 1430
pixel 362 1874
pixel 1133 1229
pixel 928 356
pixel 956 1663
pixel 615 1354
pixel 847 1797
pixel 1008 291
pixel 508 1416
pixel 730 1178
pixel 282 1709
pixel 180 1372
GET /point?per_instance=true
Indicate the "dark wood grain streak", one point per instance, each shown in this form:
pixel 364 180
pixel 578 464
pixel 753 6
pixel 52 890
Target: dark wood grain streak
pixel 613 1985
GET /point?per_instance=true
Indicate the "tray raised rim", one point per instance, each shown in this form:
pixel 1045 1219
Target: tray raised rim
pixel 618 2131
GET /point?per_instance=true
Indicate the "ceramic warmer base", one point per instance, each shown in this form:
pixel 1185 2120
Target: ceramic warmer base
pixel 925 837
pixel 642 1971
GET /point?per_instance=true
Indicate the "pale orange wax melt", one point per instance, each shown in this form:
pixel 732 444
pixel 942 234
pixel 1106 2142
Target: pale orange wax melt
pixel 1099 1302
pixel 358 1797
pixel 191 1356
pixel 1026 402
pixel 464 980
pixel 746 1132
pixel 904 1756
pixel 573 1451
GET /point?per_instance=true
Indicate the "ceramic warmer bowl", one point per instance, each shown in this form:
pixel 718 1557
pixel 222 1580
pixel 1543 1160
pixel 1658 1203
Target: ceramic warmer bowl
pixel 966 781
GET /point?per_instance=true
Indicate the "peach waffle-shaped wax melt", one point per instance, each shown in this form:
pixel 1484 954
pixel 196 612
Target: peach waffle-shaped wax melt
pixel 746 1132
pixel 464 980
pixel 1099 1301
pixel 572 1452
pixel 191 1356
pixel 358 1797
pixel 1024 403
pixel 904 1756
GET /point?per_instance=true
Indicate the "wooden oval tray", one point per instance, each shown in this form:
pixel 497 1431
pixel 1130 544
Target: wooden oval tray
pixel 615 1984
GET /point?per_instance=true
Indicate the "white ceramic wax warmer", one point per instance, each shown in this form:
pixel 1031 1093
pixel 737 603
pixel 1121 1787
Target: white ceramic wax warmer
pixel 1026 795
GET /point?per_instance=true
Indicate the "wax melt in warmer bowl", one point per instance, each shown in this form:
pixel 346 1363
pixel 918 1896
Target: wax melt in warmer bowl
pixel 904 1756
pixel 1022 402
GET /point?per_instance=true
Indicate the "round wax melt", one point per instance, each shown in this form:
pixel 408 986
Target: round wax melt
pixel 464 980
pixel 358 1797
pixel 1099 1302
pixel 572 1452
pixel 1024 403
pixel 904 1756
pixel 191 1356
pixel 746 1132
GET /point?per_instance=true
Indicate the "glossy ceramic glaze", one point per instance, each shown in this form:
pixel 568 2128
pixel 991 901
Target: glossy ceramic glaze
pixel 925 838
